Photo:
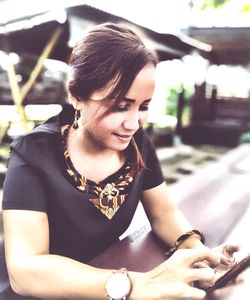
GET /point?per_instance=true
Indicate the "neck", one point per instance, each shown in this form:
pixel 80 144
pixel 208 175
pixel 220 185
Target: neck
pixel 87 145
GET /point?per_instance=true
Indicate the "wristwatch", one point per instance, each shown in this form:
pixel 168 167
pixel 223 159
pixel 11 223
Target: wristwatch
pixel 118 285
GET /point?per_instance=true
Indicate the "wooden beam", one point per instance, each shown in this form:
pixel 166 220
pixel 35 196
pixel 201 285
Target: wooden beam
pixel 45 54
pixel 15 91
pixel 18 94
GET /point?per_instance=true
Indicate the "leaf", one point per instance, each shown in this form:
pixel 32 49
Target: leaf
pixel 212 3
pixel 245 8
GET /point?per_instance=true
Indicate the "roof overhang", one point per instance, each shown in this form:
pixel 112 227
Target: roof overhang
pixel 231 45
pixel 29 34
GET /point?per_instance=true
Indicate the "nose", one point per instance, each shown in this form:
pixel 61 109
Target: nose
pixel 134 120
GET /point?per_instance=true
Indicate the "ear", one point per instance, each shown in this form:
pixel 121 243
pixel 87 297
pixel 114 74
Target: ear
pixel 74 101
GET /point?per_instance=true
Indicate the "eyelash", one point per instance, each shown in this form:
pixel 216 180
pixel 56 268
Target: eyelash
pixel 125 108
pixel 144 108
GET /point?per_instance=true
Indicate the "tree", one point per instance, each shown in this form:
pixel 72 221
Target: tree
pixel 204 4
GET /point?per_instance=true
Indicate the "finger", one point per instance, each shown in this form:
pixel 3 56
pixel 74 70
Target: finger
pixel 202 264
pixel 228 254
pixel 230 249
pixel 225 259
pixel 202 274
pixel 194 292
pixel 193 256
pixel 205 284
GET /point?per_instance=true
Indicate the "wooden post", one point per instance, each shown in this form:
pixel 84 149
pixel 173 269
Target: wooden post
pixel 15 92
pixel 45 54
pixel 18 94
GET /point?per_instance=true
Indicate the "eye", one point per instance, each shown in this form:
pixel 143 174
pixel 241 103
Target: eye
pixel 122 106
pixel 143 107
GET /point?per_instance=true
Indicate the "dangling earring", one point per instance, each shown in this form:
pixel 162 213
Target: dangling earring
pixel 77 117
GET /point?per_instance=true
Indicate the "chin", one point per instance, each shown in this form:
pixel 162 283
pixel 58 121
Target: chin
pixel 119 147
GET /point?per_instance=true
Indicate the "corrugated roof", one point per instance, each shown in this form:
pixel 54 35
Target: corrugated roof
pixel 30 33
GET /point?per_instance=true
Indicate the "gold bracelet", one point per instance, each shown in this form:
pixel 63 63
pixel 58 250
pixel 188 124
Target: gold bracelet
pixel 183 238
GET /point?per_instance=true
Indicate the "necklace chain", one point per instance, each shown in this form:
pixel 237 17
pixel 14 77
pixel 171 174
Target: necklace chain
pixel 107 197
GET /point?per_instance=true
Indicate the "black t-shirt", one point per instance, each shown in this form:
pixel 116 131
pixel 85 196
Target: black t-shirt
pixel 37 180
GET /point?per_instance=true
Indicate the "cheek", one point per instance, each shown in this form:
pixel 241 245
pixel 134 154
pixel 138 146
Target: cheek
pixel 111 122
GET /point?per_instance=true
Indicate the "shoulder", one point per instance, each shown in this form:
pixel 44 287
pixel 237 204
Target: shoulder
pixel 46 132
pixel 40 134
pixel 38 143
pixel 43 143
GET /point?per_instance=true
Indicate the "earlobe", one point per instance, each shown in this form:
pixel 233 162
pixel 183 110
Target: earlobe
pixel 74 101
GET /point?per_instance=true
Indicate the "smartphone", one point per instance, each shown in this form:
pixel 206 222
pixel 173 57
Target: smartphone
pixel 230 275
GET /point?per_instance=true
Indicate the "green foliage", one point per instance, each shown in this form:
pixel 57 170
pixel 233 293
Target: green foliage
pixel 173 94
pixel 4 151
pixel 172 99
pixel 245 8
pixel 212 3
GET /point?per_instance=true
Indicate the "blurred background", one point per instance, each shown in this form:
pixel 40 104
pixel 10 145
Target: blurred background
pixel 201 105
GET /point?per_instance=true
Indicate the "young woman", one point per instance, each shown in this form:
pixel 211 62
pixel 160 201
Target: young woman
pixel 73 185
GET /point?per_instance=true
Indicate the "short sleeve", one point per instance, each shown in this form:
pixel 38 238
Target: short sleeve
pixel 22 187
pixel 153 175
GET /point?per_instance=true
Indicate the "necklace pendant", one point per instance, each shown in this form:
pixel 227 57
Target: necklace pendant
pixel 109 191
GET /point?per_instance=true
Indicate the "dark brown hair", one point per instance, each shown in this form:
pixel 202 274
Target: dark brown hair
pixel 109 53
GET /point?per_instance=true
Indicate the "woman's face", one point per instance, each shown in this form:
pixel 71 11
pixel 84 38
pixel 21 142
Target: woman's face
pixel 113 129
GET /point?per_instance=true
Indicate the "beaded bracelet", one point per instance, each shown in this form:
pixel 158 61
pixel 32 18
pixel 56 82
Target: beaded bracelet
pixel 183 238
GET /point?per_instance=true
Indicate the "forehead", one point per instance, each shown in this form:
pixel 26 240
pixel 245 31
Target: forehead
pixel 103 92
pixel 143 85
pixel 141 88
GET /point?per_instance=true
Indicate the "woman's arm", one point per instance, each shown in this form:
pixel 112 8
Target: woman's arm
pixel 167 221
pixel 35 272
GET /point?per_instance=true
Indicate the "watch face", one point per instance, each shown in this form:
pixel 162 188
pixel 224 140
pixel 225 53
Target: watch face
pixel 118 286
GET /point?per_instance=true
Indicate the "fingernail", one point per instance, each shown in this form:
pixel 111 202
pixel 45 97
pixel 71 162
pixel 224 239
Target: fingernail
pixel 230 260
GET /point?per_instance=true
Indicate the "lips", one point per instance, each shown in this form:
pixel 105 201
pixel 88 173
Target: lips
pixel 123 137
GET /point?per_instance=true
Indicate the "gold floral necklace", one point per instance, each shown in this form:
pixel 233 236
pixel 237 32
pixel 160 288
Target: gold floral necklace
pixel 106 197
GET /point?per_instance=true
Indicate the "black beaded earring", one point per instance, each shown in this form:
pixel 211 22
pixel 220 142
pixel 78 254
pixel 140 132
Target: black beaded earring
pixel 77 117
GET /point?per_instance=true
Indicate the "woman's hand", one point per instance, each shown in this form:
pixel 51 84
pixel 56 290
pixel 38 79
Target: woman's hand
pixel 228 251
pixel 174 278
pixel 227 261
